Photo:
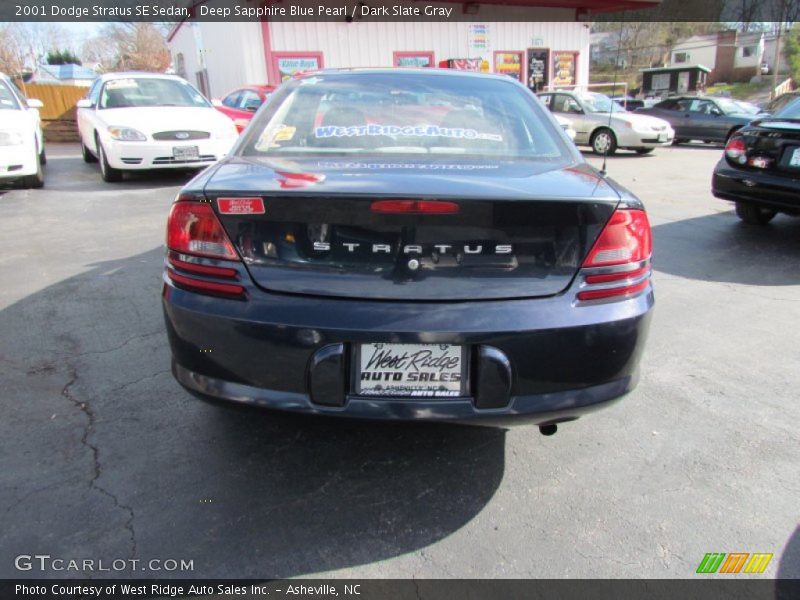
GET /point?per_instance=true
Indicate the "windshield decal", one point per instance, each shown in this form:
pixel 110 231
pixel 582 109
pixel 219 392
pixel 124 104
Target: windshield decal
pixel 404 130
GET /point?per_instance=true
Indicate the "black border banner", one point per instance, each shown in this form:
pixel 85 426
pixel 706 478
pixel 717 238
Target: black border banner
pixel 412 589
pixel 396 10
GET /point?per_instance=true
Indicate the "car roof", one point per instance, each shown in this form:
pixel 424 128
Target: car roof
pixel 138 75
pixel 428 71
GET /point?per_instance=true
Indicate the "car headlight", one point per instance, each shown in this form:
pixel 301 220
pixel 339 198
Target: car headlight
pixel 126 134
pixel 10 138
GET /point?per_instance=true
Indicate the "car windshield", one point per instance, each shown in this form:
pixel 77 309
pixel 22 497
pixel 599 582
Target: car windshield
pixel 403 113
pixel 142 91
pixel 600 103
pixel 7 99
pixel 730 107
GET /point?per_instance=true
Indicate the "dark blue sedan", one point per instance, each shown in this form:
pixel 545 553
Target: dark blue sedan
pixel 408 244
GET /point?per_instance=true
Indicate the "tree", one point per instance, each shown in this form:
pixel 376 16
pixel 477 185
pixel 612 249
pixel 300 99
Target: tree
pixel 791 50
pixel 12 51
pixel 128 47
pixel 62 57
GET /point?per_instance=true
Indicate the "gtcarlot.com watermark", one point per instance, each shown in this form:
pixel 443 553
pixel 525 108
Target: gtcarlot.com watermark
pixel 47 563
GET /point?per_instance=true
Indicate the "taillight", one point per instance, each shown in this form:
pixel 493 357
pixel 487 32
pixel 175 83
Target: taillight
pixel 736 150
pixel 414 207
pixel 626 238
pixel 193 228
pixel 618 264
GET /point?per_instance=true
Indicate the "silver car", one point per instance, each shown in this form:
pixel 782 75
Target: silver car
pixel 605 125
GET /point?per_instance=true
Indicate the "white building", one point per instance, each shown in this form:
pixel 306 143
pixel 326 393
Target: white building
pixel 522 41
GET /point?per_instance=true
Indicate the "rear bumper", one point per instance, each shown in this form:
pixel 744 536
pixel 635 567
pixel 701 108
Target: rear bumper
pixel 764 189
pixel 564 360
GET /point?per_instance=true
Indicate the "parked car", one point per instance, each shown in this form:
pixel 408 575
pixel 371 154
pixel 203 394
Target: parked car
pixel 590 112
pixel 760 169
pixel 566 125
pixel 22 153
pixel 705 118
pixel 241 104
pixel 765 68
pixel 135 121
pixel 363 262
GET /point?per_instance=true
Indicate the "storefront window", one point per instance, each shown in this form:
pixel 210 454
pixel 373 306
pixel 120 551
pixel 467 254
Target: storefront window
pixel 508 63
pixel 565 68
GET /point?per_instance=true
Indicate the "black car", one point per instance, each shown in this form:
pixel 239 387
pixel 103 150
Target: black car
pixel 407 244
pixel 760 169
pixel 704 118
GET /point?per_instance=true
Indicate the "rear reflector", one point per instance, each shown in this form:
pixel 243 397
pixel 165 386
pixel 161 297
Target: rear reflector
pixel 199 285
pixel 414 207
pixel 193 228
pixel 613 292
pixel 207 270
pixel 240 206
pixel 626 238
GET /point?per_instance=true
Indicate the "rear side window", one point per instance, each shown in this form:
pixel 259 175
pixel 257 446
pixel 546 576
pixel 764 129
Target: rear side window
pixel 232 100
pixel 8 100
pixel 790 110
pixel 403 113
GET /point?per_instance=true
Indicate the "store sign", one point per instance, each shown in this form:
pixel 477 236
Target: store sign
pixel 564 64
pixel 478 37
pixel 288 66
pixel 413 60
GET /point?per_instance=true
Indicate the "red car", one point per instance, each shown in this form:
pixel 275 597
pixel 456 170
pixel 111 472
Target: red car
pixel 241 104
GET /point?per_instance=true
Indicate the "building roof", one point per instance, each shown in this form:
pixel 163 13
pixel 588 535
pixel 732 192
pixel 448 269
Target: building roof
pixel 62 72
pixel 675 68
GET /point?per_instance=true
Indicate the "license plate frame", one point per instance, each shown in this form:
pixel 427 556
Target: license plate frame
pixel 393 389
pixel 186 153
pixel 662 137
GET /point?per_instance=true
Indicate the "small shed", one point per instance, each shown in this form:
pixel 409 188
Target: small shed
pixel 678 79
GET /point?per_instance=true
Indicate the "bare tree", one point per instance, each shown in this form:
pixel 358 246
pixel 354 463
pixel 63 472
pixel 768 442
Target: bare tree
pixel 12 51
pixel 140 47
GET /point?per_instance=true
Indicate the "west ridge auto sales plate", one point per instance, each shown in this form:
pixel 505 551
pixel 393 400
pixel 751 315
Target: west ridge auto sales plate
pixel 411 370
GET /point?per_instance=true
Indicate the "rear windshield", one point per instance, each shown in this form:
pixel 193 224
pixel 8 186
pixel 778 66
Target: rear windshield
pixel 141 91
pixel 403 113
pixel 790 111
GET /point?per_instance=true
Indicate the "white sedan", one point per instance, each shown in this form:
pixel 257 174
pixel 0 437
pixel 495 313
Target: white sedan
pixel 137 121
pixel 21 141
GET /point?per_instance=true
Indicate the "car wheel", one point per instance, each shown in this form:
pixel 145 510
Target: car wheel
pixel 42 157
pixel 36 180
pixel 754 214
pixel 88 157
pixel 644 150
pixel 678 141
pixel 604 142
pixel 109 173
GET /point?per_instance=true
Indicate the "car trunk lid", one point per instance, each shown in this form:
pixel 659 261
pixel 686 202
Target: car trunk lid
pixel 498 230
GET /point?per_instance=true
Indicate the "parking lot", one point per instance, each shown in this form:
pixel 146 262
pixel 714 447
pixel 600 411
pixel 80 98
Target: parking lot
pixel 105 456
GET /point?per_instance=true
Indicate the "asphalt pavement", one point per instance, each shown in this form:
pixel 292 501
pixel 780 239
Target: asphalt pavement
pixel 105 457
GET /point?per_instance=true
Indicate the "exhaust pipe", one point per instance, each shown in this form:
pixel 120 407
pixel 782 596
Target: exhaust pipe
pixel 548 429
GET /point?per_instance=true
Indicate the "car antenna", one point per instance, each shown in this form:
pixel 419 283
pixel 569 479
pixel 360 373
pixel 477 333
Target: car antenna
pixel 603 170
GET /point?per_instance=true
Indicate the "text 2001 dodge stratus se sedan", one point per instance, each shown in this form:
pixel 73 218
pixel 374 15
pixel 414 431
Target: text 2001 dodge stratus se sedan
pixel 408 244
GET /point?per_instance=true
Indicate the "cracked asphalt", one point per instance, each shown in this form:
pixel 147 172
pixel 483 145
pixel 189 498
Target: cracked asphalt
pixel 105 457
